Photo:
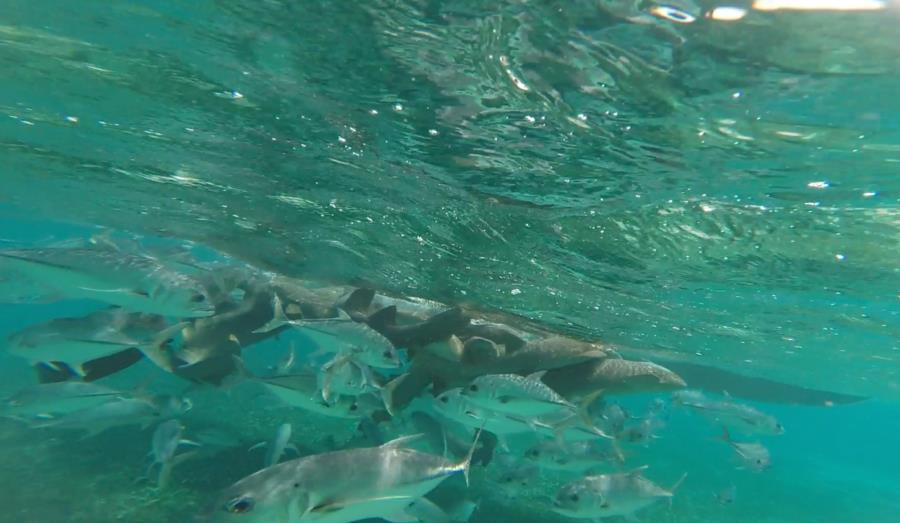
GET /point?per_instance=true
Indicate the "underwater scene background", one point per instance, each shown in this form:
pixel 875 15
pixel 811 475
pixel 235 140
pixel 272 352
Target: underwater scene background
pixel 714 191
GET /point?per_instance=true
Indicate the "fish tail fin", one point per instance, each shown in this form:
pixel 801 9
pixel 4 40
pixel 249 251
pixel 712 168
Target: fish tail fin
pixel 617 452
pixel 675 487
pixel 467 461
pixel 279 318
pixel 48 372
pixel 726 436
pixel 387 392
pixel 678 483
pixel 585 415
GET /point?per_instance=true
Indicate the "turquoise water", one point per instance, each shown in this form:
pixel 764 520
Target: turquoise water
pixel 712 196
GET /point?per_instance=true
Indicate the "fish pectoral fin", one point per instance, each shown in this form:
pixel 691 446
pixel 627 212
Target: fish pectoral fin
pixel 536 376
pixel 329 506
pixel 259 445
pixel 293 448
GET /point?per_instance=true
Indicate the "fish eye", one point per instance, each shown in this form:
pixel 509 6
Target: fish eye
pixel 759 462
pixel 240 505
pixel 443 399
pixel 574 498
pixel 473 387
pixel 198 298
pixel 533 453
pixel 354 407
pixel 388 354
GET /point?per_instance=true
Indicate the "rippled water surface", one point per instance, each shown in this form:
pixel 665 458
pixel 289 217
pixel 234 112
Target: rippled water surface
pixel 715 193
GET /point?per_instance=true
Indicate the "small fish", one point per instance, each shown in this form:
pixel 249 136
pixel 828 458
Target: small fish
pixel 643 430
pixel 54 399
pixel 517 395
pixel 340 486
pixel 340 335
pixel 132 281
pixel 345 375
pixel 612 418
pixel 119 412
pixel 734 415
pixel 277 446
pixel 453 405
pixel 75 341
pixel 286 364
pixel 607 495
pixel 302 390
pixel 727 495
pixel 754 456
pixel 580 457
pixel 166 441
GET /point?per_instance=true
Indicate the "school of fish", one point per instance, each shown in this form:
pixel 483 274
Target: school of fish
pixel 457 389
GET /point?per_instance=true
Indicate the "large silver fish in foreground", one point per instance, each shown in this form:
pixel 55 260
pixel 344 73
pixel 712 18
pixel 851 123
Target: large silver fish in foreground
pixel 338 487
pixel 135 282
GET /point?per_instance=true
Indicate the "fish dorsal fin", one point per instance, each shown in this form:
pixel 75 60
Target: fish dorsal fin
pixel 402 441
pixel 638 471
pixel 359 300
pixel 726 394
pixel 536 376
pixel 383 318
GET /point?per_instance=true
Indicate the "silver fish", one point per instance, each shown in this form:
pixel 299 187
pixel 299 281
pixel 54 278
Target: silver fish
pixel 118 412
pixel 734 415
pixel 727 495
pixel 340 335
pixel 286 364
pixel 754 456
pixel 345 375
pixel 581 457
pixel 135 282
pixel 166 441
pixel 277 446
pixel 302 390
pixel 453 405
pixel 75 341
pixel 607 495
pixel 517 395
pixel 50 399
pixel 339 486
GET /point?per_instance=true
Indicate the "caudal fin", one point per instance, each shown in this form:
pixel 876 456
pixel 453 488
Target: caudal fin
pixel 467 462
